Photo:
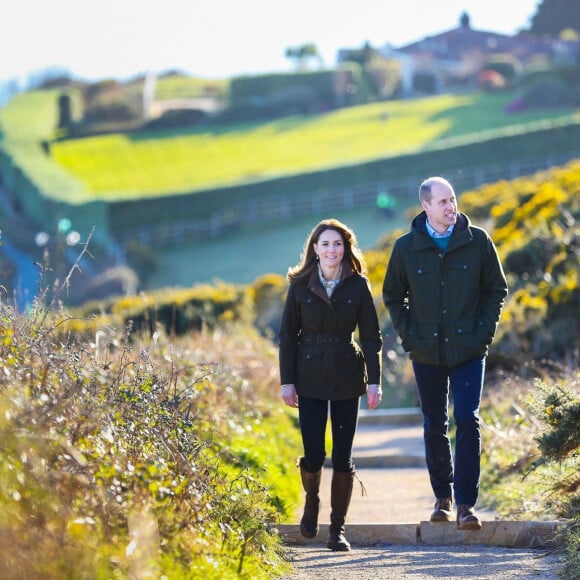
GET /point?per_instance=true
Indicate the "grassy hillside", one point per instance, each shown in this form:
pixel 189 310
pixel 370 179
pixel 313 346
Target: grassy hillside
pixel 25 124
pixel 156 162
pixel 153 162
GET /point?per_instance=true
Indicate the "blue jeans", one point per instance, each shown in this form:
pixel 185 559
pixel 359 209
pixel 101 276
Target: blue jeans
pixel 313 415
pixel 459 478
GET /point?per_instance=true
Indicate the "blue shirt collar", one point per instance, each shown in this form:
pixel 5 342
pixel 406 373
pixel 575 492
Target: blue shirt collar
pixel 435 234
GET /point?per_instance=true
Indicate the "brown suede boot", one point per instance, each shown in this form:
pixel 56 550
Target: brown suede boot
pixel 311 485
pixel 340 494
pixel 443 510
pixel 466 518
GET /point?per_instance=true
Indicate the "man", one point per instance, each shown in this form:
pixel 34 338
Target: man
pixel 444 290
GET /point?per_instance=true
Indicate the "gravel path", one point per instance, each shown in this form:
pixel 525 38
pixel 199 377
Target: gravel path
pixel 422 563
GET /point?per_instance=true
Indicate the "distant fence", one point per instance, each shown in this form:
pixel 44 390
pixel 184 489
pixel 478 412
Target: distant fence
pixel 282 209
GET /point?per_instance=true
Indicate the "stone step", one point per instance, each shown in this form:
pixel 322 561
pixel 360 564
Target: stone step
pixel 398 416
pixel 385 461
pixel 389 445
pixel 500 533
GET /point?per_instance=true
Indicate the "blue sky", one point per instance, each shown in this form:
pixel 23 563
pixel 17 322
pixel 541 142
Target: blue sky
pixel 220 38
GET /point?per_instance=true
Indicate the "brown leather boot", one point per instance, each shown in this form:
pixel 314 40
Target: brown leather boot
pixel 340 494
pixel 466 518
pixel 443 510
pixel 311 485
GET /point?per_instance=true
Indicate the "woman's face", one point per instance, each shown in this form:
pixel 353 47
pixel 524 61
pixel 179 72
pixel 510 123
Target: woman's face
pixel 330 249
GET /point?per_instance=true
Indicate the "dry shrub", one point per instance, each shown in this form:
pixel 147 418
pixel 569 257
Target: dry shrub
pixel 98 434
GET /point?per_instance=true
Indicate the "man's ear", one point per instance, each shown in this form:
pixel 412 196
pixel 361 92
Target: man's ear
pixel 424 204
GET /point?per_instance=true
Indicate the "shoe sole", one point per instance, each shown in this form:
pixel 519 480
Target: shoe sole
pixel 441 518
pixel 339 549
pixel 470 526
pixel 309 533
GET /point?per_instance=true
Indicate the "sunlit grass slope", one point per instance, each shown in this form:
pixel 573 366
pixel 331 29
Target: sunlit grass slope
pixel 29 120
pixel 152 163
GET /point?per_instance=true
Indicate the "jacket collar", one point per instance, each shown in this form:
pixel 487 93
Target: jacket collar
pixel 315 286
pixel 422 240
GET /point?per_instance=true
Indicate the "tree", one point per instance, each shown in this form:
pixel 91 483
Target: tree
pixel 302 54
pixel 362 56
pixel 554 16
pixel 64 111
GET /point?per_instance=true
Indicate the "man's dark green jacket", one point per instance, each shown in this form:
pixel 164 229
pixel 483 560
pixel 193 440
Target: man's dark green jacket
pixel 445 305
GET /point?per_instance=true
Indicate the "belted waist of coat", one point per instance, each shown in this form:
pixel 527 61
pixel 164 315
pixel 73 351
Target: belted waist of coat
pixel 328 338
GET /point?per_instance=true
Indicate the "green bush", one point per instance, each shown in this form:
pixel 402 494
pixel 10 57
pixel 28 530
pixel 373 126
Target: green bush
pixel 508 66
pixel 268 295
pixel 176 119
pixel 112 110
pixel 384 78
pixel 558 407
pixel 247 89
pixel 175 85
pixel 123 456
pixel 530 463
pixel 425 83
pixel 534 223
pixel 175 311
pixel 532 258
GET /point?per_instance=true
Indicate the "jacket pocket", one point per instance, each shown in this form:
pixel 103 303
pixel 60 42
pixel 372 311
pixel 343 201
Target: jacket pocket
pixel 423 274
pixel 462 275
pixel 347 308
pixel 310 365
pixel 424 343
pixel 470 337
pixel 310 309
pixel 350 366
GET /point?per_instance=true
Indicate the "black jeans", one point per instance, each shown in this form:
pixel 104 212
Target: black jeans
pixel 466 382
pixel 313 415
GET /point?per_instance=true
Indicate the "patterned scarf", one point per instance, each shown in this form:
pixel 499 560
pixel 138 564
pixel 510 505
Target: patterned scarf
pixel 329 285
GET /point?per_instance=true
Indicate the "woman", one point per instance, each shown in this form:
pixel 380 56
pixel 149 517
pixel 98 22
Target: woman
pixel 328 298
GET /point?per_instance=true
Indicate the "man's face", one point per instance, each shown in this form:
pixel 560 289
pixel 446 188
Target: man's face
pixel 442 209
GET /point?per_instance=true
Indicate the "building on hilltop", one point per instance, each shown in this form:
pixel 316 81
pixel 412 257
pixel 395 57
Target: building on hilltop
pixel 455 58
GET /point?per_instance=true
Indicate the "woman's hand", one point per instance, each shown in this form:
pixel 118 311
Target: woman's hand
pixel 289 395
pixel 374 396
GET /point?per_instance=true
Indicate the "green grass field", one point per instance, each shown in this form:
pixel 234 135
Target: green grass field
pixel 242 256
pixel 153 163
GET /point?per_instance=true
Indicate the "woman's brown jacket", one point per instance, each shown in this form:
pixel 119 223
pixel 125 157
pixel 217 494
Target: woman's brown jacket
pixel 318 353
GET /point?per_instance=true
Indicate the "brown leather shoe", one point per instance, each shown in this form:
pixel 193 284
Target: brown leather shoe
pixel 466 518
pixel 443 509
